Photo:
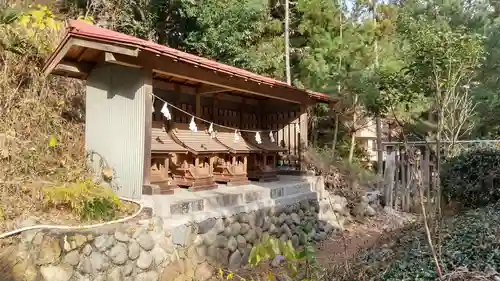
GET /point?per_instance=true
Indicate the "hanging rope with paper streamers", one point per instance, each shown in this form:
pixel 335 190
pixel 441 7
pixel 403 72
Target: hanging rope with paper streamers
pixel 271 136
pixel 211 130
pixel 236 136
pixel 166 112
pixel 192 125
pixel 257 138
pixel 297 128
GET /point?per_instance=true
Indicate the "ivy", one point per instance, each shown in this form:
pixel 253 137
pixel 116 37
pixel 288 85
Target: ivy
pixel 471 177
pixel 469 241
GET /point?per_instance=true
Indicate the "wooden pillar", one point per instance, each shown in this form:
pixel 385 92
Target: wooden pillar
pixel 167 164
pixel 303 136
pixel 211 168
pixel 148 123
pixel 259 115
pixel 396 176
pixel 215 108
pixel 242 109
pixel 177 90
pixel 198 110
pixel 245 163
pixel 427 172
pixel 403 172
pixel 157 105
pixel 290 128
pixel 284 122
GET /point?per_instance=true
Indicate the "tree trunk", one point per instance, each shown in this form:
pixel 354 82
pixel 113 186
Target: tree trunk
pixel 287 44
pixel 335 133
pixel 353 129
pixel 438 178
pixel 352 146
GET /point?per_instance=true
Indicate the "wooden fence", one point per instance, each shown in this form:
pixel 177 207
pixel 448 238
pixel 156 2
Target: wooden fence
pixel 411 167
pixel 407 168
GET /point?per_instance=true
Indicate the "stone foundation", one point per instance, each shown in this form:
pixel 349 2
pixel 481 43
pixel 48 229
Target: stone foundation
pixel 174 248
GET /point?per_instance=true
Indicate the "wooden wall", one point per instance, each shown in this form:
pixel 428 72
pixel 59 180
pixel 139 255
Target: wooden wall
pixel 283 118
pixel 186 102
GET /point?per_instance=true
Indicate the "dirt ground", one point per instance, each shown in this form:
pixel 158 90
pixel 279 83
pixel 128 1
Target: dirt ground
pixel 342 246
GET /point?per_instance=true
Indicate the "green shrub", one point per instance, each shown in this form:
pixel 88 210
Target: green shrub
pixel 472 177
pixel 85 199
pixel 299 264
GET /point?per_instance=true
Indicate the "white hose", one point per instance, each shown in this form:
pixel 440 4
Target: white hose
pixel 76 227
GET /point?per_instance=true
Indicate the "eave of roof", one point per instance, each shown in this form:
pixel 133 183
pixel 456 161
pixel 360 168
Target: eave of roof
pixel 83 30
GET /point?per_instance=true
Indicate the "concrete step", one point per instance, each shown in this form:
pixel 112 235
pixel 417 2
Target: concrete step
pixel 184 202
pixel 196 217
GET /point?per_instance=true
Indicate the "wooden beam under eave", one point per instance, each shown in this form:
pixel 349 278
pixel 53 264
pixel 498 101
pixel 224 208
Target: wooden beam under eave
pixel 110 58
pixel 105 47
pixel 90 44
pixel 215 92
pixel 82 54
pixel 202 91
pixel 185 70
pixel 58 57
pixel 70 68
pixel 210 89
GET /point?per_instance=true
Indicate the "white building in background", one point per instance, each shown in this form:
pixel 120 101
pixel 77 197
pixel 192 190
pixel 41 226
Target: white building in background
pixel 367 137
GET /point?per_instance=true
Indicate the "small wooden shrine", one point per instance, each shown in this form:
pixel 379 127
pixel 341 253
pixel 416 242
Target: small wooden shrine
pixel 200 162
pixel 263 164
pixel 128 83
pixel 232 168
pixel 163 149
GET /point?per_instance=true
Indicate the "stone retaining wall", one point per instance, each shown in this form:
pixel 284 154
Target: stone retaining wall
pixel 145 250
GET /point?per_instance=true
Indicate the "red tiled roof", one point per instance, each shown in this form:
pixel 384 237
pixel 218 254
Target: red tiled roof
pixel 82 29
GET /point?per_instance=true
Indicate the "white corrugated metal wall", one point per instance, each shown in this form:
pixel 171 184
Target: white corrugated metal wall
pixel 115 123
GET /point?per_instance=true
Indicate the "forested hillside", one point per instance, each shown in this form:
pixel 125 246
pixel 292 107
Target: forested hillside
pixel 367 52
pixel 423 66
pixel 430 69
pixel 390 57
